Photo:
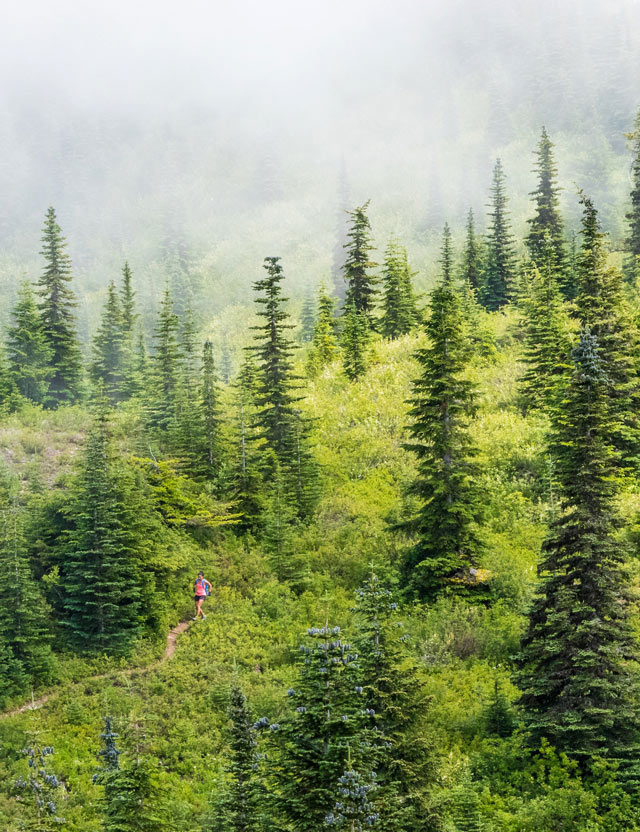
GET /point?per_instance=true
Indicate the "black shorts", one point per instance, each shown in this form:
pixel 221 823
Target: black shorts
pixel 199 597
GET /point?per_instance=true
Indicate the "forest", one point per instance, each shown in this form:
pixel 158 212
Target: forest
pixel 418 513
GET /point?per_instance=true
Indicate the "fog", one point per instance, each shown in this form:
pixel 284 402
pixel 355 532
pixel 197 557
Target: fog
pixel 213 134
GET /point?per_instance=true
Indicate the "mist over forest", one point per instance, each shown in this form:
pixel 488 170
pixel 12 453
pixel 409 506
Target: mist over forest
pixel 215 136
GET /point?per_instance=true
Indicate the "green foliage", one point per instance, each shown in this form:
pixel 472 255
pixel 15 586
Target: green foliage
pixel 447 546
pixel 107 367
pixel 578 655
pixel 499 272
pixel 132 799
pixel 632 241
pixel 325 348
pixel 57 302
pixel 27 348
pixel 472 266
pixel 45 788
pixel 399 315
pixel 361 286
pixel 166 366
pixel 355 341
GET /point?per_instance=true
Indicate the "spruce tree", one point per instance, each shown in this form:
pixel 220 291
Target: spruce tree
pixel 100 577
pixel 579 658
pixel 9 395
pixel 107 367
pixel 499 273
pixel 247 476
pixel 210 420
pixel 632 264
pixel 325 348
pixel 28 352
pixel 601 306
pixel 166 366
pixel 57 302
pixel 44 785
pixel 545 240
pixel 445 487
pixel 472 257
pixel 307 319
pixel 241 807
pixel 23 619
pixel 127 302
pixel 393 696
pixel 314 741
pixel 355 343
pixel 132 798
pixel 187 430
pixel 399 306
pixel 546 338
pixel 361 286
pixel 446 256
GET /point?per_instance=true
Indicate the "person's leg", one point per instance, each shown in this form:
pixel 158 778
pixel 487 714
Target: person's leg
pixel 199 607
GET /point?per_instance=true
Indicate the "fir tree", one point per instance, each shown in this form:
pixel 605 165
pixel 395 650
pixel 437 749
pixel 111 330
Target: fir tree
pixel 354 809
pixel 166 365
pixel 313 742
pixel 27 348
pixel 399 306
pixel 355 343
pixel 225 364
pixel 210 421
pixel 247 485
pixel 499 273
pixel 445 487
pixel 57 302
pixel 446 256
pixel 361 286
pixel 127 302
pixel 500 717
pixel 632 265
pixel 472 257
pixel 547 341
pixel 394 698
pixel 241 803
pixel 580 654
pixel 325 348
pixel 601 306
pixel 132 796
pixel 9 395
pixel 308 319
pixel 100 573
pixel 45 787
pixel 23 620
pixel 109 754
pixel 545 240
pixel 107 367
pixel 188 427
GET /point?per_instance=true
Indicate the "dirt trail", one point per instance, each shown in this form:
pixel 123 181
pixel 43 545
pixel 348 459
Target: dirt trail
pixel 170 649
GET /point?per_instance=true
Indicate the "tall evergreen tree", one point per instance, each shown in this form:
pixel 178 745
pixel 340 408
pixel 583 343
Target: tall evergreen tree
pixel 399 306
pixel 499 273
pixel 128 302
pixel 355 343
pixel 601 306
pixel 100 573
pixel 394 696
pixel 166 365
pixel 23 621
pixel 188 427
pixel 107 367
pixel 209 445
pixel 28 352
pixel 241 807
pixel 307 319
pixel 247 477
pixel 361 286
pixel 132 798
pixel 446 256
pixel 325 348
pixel 57 302
pixel 547 340
pixel 578 667
pixel 545 240
pixel 472 256
pixel 445 487
pixel 632 265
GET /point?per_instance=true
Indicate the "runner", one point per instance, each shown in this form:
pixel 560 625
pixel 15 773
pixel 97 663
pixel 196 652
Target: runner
pixel 202 588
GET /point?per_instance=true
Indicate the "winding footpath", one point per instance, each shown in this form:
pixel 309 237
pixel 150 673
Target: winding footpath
pixel 169 650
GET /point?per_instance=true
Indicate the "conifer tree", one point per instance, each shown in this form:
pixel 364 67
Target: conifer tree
pixel 210 420
pixel 225 364
pixel 57 302
pixel 44 786
pixel 241 803
pixel 9 395
pixel 109 754
pixel 632 265
pixel 547 340
pixel 545 240
pixel 132 796
pixel 28 352
pixel 107 367
pixel 361 286
pixel 23 622
pixel 601 306
pixel 312 744
pixel 578 665
pixel 472 257
pixel 325 348
pixel 355 343
pixel 399 306
pixel 127 302
pixel 100 572
pixel 307 319
pixel 443 402
pixel 499 273
pixel 187 430
pixel 446 256
pixel 247 485
pixel 393 694
pixel 166 365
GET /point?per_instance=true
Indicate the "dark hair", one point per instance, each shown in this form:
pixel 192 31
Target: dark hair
pixel 201 573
